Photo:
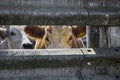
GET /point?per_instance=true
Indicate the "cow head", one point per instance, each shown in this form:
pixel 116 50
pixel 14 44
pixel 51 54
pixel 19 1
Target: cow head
pixel 59 37
pixel 64 36
pixel 54 36
pixel 16 38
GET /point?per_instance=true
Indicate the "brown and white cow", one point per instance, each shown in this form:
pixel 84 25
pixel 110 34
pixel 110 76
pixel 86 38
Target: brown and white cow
pixel 56 36
pixel 13 37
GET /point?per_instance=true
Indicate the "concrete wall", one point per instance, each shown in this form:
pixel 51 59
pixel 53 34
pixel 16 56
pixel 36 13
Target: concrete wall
pixel 103 36
pixel 60 64
pixel 90 12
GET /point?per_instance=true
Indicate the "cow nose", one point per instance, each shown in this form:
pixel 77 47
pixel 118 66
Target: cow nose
pixel 28 46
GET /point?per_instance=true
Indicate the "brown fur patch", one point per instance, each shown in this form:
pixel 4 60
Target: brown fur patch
pixel 35 31
pixel 79 31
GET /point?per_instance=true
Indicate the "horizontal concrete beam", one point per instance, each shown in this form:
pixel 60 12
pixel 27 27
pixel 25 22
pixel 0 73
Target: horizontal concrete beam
pixel 55 57
pixel 60 64
pixel 87 12
pixel 61 3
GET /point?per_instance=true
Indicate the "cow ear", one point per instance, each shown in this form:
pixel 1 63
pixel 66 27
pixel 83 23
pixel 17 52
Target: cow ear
pixel 48 29
pixel 3 34
pixel 79 31
pixel 35 31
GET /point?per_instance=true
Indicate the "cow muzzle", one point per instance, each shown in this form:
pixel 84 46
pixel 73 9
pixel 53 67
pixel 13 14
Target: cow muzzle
pixel 28 46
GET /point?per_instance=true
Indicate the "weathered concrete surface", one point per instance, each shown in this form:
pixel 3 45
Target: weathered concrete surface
pixel 41 74
pixel 101 64
pixel 54 57
pixel 90 12
pixel 103 36
pixel 60 64
pixel 40 58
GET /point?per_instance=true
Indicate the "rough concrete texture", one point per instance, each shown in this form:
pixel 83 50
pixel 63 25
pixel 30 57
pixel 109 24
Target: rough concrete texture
pixel 90 12
pixel 40 74
pixel 60 64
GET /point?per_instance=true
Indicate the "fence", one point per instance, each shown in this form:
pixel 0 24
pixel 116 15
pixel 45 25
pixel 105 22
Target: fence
pixel 87 12
pixel 103 36
pixel 72 64
pixel 60 64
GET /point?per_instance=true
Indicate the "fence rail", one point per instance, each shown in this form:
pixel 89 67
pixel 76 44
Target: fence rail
pixel 87 12
pixel 54 57
pixel 60 64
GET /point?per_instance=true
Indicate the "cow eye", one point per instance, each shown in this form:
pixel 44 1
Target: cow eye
pixel 70 38
pixel 69 42
pixel 47 39
pixel 12 34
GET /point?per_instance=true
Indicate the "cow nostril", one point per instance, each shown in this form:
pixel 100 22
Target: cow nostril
pixel 24 45
pixel 28 46
pixel 31 45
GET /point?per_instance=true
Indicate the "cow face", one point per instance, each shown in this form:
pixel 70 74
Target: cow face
pixel 16 38
pixel 26 43
pixel 59 37
pixel 65 36
pixel 54 36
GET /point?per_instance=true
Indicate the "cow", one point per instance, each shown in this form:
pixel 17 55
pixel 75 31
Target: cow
pixel 13 37
pixel 56 36
pixel 2 34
